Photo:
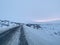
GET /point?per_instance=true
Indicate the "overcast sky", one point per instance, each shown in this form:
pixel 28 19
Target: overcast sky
pixel 29 10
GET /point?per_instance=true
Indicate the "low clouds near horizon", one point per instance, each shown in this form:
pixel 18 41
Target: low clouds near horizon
pixel 29 10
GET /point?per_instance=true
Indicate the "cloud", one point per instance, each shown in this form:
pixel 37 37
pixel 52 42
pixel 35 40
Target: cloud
pixel 47 20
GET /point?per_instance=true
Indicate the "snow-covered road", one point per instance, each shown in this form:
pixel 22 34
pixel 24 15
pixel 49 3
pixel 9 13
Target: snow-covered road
pixel 23 35
pixel 6 36
pixel 13 36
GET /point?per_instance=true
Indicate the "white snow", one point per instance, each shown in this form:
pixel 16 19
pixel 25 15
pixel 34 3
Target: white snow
pixel 5 28
pixel 41 36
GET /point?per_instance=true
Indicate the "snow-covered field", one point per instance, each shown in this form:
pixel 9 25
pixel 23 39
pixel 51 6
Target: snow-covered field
pixel 49 34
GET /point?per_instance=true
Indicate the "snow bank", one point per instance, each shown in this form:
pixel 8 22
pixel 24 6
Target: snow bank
pixel 5 28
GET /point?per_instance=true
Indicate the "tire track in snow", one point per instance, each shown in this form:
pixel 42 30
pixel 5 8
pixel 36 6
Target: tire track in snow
pixel 22 39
